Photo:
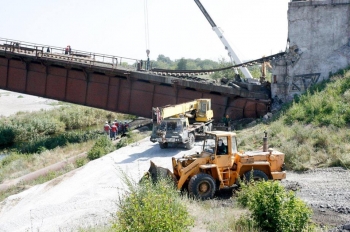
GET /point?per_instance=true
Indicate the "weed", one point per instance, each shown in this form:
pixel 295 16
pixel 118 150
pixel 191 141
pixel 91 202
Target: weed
pixel 80 162
pixel 151 207
pixel 102 147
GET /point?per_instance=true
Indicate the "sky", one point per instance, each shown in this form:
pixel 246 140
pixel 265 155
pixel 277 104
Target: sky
pixel 176 28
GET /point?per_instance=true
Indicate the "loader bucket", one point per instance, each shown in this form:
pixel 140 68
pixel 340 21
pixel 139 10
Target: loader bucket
pixel 156 173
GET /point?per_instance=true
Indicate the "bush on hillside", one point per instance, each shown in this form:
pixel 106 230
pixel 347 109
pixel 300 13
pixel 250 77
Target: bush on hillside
pixel 39 144
pixel 152 207
pixel 273 208
pixel 37 127
pixel 7 135
pixel 102 147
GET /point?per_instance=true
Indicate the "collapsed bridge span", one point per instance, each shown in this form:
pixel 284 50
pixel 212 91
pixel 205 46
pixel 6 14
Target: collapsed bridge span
pixel 102 81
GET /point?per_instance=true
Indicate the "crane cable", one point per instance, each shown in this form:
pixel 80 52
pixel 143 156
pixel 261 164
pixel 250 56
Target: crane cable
pixel 146 27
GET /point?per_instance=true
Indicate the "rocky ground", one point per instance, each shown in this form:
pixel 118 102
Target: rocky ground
pixel 327 191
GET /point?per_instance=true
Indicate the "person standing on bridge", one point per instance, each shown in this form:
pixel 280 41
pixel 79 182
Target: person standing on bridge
pixel 69 50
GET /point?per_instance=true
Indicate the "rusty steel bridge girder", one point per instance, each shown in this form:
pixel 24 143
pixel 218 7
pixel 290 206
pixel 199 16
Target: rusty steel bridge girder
pixel 105 85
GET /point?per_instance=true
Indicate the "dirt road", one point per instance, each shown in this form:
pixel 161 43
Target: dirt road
pixel 85 197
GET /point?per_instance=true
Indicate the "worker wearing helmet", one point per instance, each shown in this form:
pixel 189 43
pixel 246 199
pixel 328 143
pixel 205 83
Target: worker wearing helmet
pixel 107 128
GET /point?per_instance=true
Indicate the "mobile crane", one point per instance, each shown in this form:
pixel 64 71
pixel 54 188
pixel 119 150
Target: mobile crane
pixel 181 123
pixel 231 53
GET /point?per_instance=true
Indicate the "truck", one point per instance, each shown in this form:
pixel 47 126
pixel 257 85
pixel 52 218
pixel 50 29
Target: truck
pixel 221 165
pixel 180 124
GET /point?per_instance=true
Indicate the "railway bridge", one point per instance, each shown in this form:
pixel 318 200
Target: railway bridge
pixel 118 84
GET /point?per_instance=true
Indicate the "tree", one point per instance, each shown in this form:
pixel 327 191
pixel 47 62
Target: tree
pixel 228 73
pixel 162 58
pixel 182 64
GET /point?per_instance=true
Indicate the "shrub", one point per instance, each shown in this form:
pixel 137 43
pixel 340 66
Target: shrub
pixel 40 144
pixel 273 208
pixel 7 135
pixel 80 162
pixel 152 207
pixel 102 147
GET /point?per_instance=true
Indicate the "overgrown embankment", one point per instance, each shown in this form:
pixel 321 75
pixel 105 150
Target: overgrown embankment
pixel 38 131
pixel 32 141
pixel 313 130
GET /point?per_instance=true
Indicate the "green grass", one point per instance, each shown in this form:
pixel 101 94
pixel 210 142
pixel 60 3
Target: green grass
pixel 28 132
pixel 313 130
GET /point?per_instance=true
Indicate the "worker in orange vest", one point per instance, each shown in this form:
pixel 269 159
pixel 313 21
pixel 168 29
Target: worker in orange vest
pixel 107 128
pixel 114 130
pixel 116 123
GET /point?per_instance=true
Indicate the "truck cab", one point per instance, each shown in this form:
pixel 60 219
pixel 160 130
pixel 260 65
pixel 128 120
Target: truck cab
pixel 179 124
pixel 172 130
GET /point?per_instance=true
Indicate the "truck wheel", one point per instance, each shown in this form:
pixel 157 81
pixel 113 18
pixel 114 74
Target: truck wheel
pixel 202 186
pixel 257 175
pixel 190 143
pixel 163 145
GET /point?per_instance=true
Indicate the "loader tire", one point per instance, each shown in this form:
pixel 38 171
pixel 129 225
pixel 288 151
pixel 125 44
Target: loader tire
pixel 202 186
pixel 190 143
pixel 257 175
pixel 163 145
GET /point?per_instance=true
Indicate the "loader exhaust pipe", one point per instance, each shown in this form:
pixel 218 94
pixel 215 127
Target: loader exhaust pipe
pixel 265 142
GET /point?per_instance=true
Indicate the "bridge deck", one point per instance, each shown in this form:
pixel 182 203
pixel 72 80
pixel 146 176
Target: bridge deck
pixel 106 82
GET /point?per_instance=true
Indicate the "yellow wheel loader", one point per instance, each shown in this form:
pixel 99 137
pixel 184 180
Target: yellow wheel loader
pixel 220 165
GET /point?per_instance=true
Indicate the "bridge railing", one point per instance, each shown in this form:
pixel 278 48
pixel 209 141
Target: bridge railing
pixel 75 56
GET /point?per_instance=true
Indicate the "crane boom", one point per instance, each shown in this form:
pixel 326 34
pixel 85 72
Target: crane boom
pixel 233 56
pixel 202 107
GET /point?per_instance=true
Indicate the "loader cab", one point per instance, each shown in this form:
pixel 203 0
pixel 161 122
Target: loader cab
pixel 220 143
pixel 221 147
